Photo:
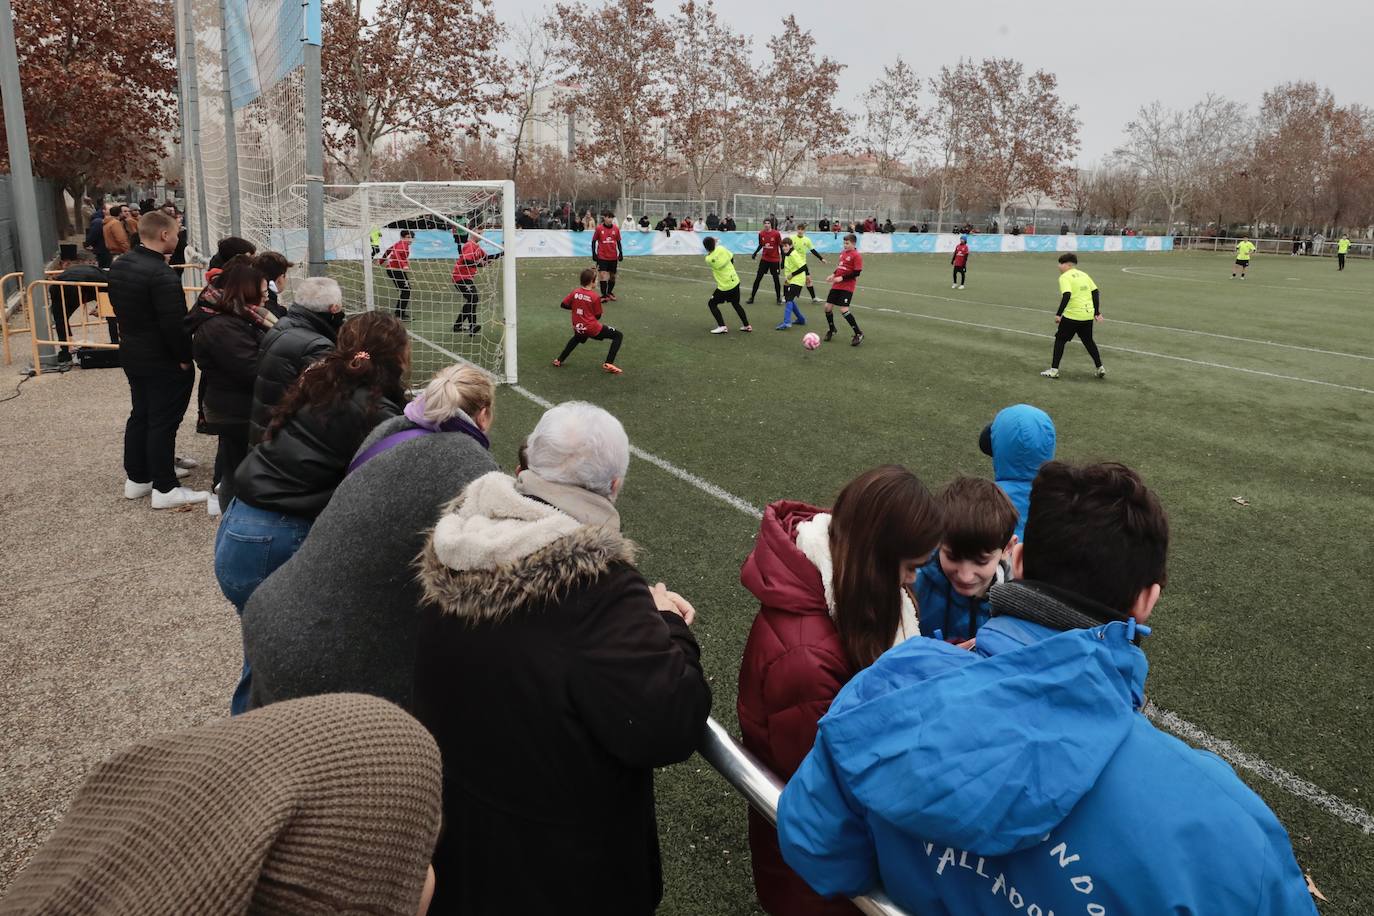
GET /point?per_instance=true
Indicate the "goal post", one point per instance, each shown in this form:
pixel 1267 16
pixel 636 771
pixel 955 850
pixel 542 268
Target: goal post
pixel 468 315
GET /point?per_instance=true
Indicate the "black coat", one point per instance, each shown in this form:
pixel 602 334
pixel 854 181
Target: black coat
pixel 226 350
pixel 301 338
pixel 554 688
pixel 151 307
pixel 295 472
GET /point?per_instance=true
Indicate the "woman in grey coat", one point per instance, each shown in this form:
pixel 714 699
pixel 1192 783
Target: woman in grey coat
pixel 340 615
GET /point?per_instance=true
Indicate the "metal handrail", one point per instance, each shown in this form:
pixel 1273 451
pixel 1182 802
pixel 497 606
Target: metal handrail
pixel 762 789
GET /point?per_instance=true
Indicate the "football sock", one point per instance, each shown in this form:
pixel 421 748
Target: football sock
pixel 610 286
pixel 830 320
pixel 849 316
pixel 602 284
pixel 812 291
pixel 739 310
pixel 715 313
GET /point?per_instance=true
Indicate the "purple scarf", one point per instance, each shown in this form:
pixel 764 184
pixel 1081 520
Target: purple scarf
pixel 415 413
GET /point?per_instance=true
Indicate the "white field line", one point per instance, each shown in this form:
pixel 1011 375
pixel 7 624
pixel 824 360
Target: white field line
pixel 1101 346
pixel 1336 807
pixel 1139 272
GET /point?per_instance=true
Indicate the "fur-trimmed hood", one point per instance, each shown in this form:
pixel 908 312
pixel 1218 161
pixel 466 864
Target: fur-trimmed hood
pixel 496 550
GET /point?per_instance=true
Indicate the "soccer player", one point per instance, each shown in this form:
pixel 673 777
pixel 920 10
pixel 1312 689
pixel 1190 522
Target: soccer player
pixel 794 271
pixel 585 305
pixel 802 242
pixel 396 260
pixel 770 243
pixel 842 283
pixel 960 262
pixel 1342 249
pixel 608 253
pixel 1244 248
pixel 471 257
pixel 1079 306
pixel 722 264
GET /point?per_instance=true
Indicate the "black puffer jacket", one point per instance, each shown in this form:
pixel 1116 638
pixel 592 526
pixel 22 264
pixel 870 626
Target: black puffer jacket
pixel 299 339
pixel 226 350
pixel 150 306
pixel 295 472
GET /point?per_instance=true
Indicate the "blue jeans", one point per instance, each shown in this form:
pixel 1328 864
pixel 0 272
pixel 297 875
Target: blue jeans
pixel 249 545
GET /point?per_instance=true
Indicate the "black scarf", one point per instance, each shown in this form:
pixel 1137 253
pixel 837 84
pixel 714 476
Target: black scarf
pixel 1049 605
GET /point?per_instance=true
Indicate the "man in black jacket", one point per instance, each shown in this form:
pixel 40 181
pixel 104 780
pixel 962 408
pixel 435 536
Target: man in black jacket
pixel 64 300
pixel 305 335
pixel 155 353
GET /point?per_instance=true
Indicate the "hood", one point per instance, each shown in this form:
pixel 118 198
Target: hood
pixel 989 754
pixel 1022 440
pixel 315 321
pixel 197 317
pixel 777 572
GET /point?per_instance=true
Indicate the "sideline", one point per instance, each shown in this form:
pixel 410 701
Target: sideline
pixel 1138 272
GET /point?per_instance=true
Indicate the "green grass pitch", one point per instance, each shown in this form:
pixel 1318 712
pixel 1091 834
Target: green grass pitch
pixel 1261 389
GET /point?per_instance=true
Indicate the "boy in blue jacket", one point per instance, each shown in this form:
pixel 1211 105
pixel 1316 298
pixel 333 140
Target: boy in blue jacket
pixel 1021 777
pixel 1018 440
pixel 952 589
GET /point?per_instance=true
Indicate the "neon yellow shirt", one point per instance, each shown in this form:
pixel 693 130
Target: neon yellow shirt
pixel 1343 246
pixel 1243 249
pixel 1080 288
pixel 794 262
pixel 722 264
pixel 376 237
pixel 803 244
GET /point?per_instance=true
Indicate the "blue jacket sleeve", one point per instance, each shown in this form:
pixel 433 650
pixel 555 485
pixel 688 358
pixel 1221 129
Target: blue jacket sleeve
pixel 822 836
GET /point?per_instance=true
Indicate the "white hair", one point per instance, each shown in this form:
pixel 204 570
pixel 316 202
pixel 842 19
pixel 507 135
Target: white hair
pixel 581 445
pixel 318 294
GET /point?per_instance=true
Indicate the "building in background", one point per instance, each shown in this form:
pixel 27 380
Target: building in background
pixel 551 126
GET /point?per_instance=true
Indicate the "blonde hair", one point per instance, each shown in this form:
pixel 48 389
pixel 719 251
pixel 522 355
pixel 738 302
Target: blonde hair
pixel 457 388
pixel 154 222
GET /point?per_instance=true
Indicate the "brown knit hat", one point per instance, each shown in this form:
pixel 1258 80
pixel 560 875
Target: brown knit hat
pixel 329 804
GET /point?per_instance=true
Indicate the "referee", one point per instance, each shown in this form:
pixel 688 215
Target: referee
pixel 1079 306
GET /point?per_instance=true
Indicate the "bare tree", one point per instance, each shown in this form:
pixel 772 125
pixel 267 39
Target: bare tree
pixel 536 66
pixel 947 128
pixel 1077 191
pixel 620 50
pixel 1018 136
pixel 1115 193
pixel 895 124
pixel 791 119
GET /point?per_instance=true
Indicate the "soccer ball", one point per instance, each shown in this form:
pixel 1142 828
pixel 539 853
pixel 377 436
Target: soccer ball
pixel 812 341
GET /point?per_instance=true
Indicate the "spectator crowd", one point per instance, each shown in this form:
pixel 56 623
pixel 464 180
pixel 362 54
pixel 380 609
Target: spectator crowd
pixel 456 684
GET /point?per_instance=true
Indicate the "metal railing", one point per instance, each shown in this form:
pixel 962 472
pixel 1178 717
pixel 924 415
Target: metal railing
pixel 761 788
pixel 16 281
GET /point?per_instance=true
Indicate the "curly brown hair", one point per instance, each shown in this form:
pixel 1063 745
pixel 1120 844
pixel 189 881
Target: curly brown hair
pixel 372 352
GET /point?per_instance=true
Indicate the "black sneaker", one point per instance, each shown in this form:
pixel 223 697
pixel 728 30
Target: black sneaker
pixel 475 329
pixel 858 339
pixel 457 327
pixel 751 301
pixel 402 315
pixel 829 334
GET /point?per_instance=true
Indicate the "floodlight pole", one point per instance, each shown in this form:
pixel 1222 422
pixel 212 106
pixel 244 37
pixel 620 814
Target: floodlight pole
pixel 188 34
pixel 231 141
pixel 21 168
pixel 314 159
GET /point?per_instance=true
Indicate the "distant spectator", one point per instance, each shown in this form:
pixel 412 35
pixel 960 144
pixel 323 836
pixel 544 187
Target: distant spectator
pixel 823 225
pixel 155 353
pixel 643 223
pixel 115 235
pixel 289 477
pixel 274 266
pixel 229 248
pixel 788 224
pixel 341 614
pixel 130 217
pixel 592 680
pixel 925 227
pixel 729 225
pixel 1018 440
pixel 226 326
pixel 179 255
pixel 834 594
pixel 95 237
pixel 64 300
pixel 1033 748
pixel 687 225
pixel 712 222
pixel 325 805
pixel 525 219
pixel 888 227
pixel 914 228
pixel 305 336
pixel 1063 228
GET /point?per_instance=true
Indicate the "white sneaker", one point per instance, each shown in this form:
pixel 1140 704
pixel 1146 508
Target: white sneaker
pixel 136 490
pixel 961 286
pixel 212 505
pixel 182 473
pixel 1050 373
pixel 954 286
pixel 720 330
pixel 187 463
pixel 1101 372
pixel 177 497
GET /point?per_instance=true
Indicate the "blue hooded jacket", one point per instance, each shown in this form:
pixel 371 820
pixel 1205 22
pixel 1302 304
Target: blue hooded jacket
pixel 944 610
pixel 1022 440
pixel 1021 778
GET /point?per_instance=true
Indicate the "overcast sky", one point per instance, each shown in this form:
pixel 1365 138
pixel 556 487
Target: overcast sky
pixel 1110 58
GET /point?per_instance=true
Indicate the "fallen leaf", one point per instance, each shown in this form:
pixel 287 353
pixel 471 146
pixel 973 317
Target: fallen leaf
pixel 1312 889
pixel 1240 500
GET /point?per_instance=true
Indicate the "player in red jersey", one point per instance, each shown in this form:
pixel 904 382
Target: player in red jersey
pixel 585 305
pixel 842 283
pixel 471 257
pixel 608 253
pixel 960 262
pixel 770 243
pixel 396 260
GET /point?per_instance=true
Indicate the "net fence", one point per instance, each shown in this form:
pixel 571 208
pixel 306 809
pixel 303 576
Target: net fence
pixel 754 208
pixel 449 287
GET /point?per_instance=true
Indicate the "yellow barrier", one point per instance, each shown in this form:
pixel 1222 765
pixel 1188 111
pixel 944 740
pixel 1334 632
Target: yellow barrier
pixel 98 312
pixel 194 273
pixel 16 280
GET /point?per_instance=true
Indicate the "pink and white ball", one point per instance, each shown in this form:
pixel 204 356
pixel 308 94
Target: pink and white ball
pixel 812 341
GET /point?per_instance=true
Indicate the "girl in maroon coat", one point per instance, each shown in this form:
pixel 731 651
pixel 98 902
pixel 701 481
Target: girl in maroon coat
pixel 834 590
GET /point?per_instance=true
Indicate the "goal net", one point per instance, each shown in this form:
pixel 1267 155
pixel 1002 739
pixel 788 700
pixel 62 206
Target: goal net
pixel 455 290
pixel 754 208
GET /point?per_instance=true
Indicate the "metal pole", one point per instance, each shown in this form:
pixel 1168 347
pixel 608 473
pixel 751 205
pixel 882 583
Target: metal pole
pixel 508 279
pixel 183 112
pixel 231 142
pixel 365 217
pixel 314 161
pixel 21 174
pixel 188 32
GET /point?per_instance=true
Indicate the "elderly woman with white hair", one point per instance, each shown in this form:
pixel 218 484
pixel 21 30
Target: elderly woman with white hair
pixel 302 337
pixel 555 680
pixel 340 615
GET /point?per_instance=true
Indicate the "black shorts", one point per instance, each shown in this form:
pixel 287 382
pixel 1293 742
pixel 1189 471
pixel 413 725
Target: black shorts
pixel 721 296
pixel 1242 263
pixel 791 290
pixel 840 297
pixel 609 267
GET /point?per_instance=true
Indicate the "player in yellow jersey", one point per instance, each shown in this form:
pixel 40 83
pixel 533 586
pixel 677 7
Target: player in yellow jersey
pixel 1342 249
pixel 1244 248
pixel 722 264
pixel 801 242
pixel 1079 306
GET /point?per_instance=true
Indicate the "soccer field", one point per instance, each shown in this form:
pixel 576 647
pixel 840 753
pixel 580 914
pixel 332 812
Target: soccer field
pixel 1261 390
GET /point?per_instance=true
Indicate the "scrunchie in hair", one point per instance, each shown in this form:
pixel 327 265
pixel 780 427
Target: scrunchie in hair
pixel 358 359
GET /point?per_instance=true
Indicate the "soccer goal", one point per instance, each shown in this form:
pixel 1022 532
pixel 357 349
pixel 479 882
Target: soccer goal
pixel 754 208
pixel 456 291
